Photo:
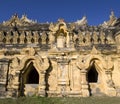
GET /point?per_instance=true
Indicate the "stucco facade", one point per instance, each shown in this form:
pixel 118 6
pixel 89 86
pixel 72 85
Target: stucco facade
pixel 59 59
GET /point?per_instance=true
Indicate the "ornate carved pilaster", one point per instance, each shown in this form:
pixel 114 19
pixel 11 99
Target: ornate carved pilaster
pixel 13 78
pixel 84 83
pixel 63 62
pixel 16 83
pixel 42 84
pixel 63 75
pixel 13 90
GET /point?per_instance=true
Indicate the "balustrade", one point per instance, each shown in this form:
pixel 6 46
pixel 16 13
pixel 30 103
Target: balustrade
pixel 88 38
pixel 23 37
pixel 38 37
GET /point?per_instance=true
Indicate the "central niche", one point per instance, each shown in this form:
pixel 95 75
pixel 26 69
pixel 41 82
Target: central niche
pixel 92 75
pixel 61 40
pixel 32 76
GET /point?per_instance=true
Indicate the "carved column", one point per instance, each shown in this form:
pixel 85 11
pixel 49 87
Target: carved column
pixel 42 84
pixel 84 83
pixel 16 84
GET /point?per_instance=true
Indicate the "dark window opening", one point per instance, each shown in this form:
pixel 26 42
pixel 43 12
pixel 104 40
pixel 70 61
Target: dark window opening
pixel 33 77
pixel 92 75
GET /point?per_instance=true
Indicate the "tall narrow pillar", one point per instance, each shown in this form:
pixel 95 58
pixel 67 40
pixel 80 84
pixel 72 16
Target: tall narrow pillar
pixel 84 83
pixel 42 84
pixel 16 84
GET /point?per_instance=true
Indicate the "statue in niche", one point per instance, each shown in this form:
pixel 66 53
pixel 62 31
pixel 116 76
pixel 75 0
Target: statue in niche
pixel 60 31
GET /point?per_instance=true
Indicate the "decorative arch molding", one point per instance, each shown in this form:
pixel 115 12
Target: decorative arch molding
pixel 85 62
pixel 18 67
pixel 41 64
pixel 97 60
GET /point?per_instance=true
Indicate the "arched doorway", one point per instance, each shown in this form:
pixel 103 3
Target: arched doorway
pixel 29 80
pixel 33 76
pixel 93 77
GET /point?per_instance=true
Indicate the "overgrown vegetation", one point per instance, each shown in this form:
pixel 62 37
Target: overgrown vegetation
pixel 65 100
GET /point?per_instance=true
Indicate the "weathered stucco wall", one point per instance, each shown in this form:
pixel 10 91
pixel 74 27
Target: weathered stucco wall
pixel 59 59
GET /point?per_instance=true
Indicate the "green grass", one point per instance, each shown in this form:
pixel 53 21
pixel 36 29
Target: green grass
pixel 40 100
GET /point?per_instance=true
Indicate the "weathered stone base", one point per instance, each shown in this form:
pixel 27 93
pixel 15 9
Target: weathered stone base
pixel 65 94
